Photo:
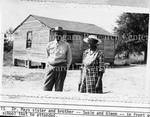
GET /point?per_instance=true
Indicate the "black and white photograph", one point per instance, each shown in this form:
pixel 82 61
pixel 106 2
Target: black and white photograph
pixel 76 50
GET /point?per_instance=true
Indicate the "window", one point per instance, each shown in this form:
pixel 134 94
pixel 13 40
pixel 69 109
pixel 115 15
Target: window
pixel 29 39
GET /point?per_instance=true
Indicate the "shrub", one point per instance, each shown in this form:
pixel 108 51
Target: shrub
pixel 8 45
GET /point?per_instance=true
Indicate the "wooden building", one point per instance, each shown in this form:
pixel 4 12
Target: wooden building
pixel 33 34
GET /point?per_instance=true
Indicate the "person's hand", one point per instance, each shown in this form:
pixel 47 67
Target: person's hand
pixel 102 69
pixel 79 86
pixel 98 81
pixel 97 85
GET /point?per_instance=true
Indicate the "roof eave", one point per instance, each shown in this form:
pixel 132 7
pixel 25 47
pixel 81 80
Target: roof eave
pixel 26 20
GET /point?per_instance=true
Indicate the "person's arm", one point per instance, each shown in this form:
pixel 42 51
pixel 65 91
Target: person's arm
pixel 101 68
pixel 69 56
pixel 99 79
pixel 101 62
pixel 81 73
pixel 47 51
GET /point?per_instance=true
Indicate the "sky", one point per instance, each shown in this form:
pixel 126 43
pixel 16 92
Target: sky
pixel 15 11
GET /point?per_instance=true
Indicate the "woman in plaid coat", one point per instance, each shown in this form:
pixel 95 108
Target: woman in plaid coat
pixel 93 67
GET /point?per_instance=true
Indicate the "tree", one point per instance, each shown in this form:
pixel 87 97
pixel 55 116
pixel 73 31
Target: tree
pixel 132 29
pixel 8 44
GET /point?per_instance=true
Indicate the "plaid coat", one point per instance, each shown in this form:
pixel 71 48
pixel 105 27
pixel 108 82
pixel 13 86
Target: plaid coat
pixel 93 65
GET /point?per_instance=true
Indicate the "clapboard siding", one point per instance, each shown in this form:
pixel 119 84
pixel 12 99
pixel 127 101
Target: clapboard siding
pixel 101 45
pixel 109 42
pixel 31 24
pixel 42 35
pixel 108 54
pixel 19 54
pixel 35 28
pixel 76 48
pixel 20 42
pixel 109 49
pixel 40 39
pixel 28 55
pixel 39 48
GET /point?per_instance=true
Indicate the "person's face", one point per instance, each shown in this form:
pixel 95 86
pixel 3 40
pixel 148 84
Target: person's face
pixel 58 36
pixel 92 43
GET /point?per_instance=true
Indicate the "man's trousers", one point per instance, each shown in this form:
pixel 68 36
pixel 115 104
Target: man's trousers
pixel 55 76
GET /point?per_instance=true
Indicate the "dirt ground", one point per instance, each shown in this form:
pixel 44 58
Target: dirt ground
pixel 120 80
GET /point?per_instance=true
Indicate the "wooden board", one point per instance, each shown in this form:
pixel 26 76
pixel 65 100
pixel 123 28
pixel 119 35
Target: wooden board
pixel 40 39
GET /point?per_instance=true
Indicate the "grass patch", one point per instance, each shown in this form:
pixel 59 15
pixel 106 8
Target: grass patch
pixel 14 77
pixel 30 76
pixel 133 59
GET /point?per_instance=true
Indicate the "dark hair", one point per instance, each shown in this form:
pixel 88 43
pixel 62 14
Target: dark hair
pixel 93 40
pixel 58 32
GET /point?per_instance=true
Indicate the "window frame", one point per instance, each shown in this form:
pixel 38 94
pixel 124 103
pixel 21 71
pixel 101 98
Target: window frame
pixel 29 39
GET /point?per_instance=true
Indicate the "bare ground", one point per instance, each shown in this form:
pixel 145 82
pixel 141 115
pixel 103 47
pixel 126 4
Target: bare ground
pixel 120 80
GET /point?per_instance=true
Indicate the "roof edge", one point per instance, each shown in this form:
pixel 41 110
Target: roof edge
pixel 40 21
pixel 20 24
pixel 26 20
pixel 36 17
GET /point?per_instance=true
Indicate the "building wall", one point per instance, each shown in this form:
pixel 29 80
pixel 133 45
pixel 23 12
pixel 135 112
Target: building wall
pixel 76 48
pixel 41 35
pixel 40 38
pixel 109 49
pixel 75 45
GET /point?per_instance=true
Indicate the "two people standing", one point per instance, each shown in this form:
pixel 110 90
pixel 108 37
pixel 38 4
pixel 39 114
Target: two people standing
pixel 59 60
